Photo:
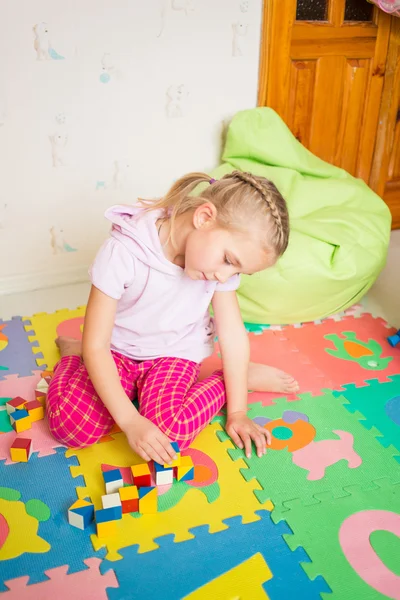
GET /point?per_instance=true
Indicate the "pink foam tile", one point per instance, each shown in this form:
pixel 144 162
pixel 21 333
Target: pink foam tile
pixel 13 386
pixel 270 348
pixel 311 342
pixel 89 583
pixel 42 441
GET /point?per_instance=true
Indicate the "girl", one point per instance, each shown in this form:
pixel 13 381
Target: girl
pixel 148 327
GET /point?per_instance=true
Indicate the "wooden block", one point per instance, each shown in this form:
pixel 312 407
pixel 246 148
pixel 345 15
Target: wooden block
pixel 106 528
pixel 81 514
pixel 42 386
pixel 113 480
pixel 177 462
pixel 129 496
pixel 185 471
pixel 148 500
pixel 141 475
pixel 40 397
pixel 163 476
pixel 17 403
pixel 21 450
pixel 113 513
pixel 110 500
pixel 20 420
pixel 35 410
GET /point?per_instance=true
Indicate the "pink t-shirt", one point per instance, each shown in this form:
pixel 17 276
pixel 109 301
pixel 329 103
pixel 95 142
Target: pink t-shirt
pixel 160 310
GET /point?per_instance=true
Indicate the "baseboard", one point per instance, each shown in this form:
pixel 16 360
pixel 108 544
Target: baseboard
pixel 28 282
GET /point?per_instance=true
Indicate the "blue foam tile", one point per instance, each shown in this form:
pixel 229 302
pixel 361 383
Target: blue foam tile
pixel 207 556
pixel 48 479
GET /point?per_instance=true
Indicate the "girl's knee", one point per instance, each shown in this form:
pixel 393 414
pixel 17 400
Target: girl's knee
pixel 74 436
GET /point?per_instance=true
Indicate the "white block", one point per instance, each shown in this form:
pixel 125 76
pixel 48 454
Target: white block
pixel 75 520
pixel 110 500
pixel 164 477
pixel 42 386
pixel 112 487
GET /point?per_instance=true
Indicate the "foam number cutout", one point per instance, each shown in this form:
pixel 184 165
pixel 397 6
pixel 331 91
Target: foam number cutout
pixel 354 537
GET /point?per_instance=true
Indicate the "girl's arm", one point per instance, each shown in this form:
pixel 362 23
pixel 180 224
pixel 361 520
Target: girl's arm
pixel 144 437
pixel 235 351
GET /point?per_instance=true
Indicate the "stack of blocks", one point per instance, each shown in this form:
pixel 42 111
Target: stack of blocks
pixel 22 414
pixel 139 497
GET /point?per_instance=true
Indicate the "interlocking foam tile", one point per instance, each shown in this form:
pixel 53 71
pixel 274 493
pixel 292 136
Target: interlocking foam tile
pixel 342 452
pixel 43 443
pixel 43 328
pixel 348 351
pixel 244 582
pixel 16 351
pixel 379 405
pixel 82 586
pixel 195 507
pixel 351 541
pixel 5 425
pixel 272 348
pixel 19 523
pixel 13 385
pixel 47 480
pixel 208 556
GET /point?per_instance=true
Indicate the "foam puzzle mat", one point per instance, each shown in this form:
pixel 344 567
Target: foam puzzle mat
pixel 317 517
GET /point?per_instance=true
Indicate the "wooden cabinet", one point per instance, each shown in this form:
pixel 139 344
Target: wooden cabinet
pixel 330 68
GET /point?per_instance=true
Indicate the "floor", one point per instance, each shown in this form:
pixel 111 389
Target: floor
pixel 382 300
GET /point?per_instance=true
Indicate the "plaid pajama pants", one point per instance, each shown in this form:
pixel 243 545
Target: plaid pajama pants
pixel 167 389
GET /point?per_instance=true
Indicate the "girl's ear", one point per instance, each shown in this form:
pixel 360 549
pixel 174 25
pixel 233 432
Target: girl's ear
pixel 204 216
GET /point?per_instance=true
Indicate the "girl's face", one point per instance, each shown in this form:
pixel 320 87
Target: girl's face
pixel 216 254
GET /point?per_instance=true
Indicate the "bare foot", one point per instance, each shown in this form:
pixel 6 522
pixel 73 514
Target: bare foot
pixel 263 378
pixel 69 346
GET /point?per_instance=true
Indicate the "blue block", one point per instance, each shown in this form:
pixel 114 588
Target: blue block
pixel 87 512
pixel 113 475
pixel 114 513
pixel 189 476
pixel 17 415
pixel 158 468
pixel 143 491
pixel 394 339
pixel 175 446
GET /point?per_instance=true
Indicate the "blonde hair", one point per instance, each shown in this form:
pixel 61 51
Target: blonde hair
pixel 239 197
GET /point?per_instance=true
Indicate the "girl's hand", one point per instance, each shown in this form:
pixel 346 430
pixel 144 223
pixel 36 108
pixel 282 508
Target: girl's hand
pixel 147 440
pixel 243 431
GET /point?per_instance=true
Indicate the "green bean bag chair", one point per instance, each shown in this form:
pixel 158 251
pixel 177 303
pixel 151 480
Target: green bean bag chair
pixel 339 227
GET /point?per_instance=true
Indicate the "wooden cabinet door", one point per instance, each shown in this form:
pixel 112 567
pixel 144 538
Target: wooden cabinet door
pixel 322 69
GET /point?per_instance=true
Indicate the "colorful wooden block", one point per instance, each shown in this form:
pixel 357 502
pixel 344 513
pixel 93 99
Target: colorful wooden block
pixel 35 410
pixel 177 462
pixel 110 500
pixel 81 514
pixel 17 403
pixel 40 397
pixel 42 386
pixel 148 500
pixel 21 450
pixel 163 476
pixel 129 496
pixel 141 475
pixel 113 513
pixel 185 471
pixel 106 528
pixel 20 420
pixel 113 480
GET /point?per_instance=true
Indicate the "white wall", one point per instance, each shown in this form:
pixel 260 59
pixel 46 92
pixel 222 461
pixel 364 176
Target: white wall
pixel 98 79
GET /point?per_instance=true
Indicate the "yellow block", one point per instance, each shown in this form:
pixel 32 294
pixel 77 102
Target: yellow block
pixel 184 467
pixel 106 529
pixel 243 582
pixel 79 503
pixel 174 463
pixel 148 504
pixel 42 400
pixel 36 414
pixel 128 493
pixel 19 455
pixel 22 424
